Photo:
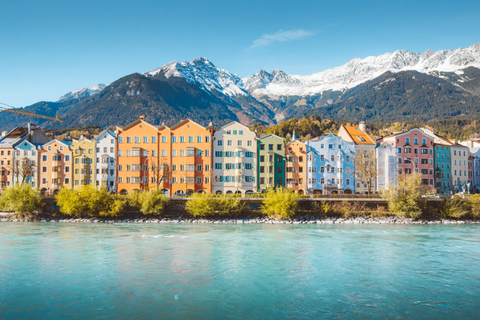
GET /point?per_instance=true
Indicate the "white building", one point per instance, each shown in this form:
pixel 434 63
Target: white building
pixel 234 160
pixel 106 149
pixel 330 165
pixel 387 166
pixel 475 152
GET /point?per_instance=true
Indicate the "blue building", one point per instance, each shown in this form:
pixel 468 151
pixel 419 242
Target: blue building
pixel 330 165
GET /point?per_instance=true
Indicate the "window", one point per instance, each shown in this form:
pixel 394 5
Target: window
pixel 262 147
pixel 174 153
pixel 229 142
pixel 164 139
pixel 174 139
pixel 218 166
pixel 190 152
pixel 182 139
pixel 239 143
pixel 249 143
pixel 190 139
pixel 120 139
pixel 199 139
pixel 182 153
pixel 207 167
pixel 270 147
pixel 219 143
pixel 207 153
pixel 207 139
pixel 199 153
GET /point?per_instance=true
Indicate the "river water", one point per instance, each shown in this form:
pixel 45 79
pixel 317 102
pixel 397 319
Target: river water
pixel 185 271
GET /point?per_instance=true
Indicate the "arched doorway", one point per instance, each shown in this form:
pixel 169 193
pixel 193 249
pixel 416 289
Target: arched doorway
pixel 218 192
pixel 300 192
pixel 179 193
pixel 123 192
pixel 335 192
pixel 238 192
pixel 347 191
pixel 229 192
pixel 317 191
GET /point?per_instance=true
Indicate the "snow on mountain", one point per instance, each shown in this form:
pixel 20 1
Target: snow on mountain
pixel 357 71
pixel 82 93
pixel 203 73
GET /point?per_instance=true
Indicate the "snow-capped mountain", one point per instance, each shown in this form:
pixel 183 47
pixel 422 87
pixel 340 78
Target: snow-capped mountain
pixel 82 93
pixel 202 73
pixel 358 71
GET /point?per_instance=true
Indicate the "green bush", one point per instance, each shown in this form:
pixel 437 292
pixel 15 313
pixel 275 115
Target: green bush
pixel 21 199
pixel 280 204
pixel 151 202
pixel 405 200
pixel 203 205
pixel 87 201
pixel 474 202
pixel 454 207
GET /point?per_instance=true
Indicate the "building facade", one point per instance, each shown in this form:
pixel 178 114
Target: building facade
pixel 387 166
pixel 106 155
pixel 191 157
pixel 296 166
pixel 365 166
pixel 55 166
pixel 25 164
pixel 330 164
pixel 84 160
pixel 415 154
pixel 459 155
pixel 271 162
pixel 235 160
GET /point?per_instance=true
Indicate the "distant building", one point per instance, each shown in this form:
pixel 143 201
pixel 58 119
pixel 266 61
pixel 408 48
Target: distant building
pixel 271 162
pixel 84 157
pixel 387 166
pixel 56 166
pixel 296 166
pixel 459 155
pixel 235 160
pixel 365 167
pixel 106 155
pixel 330 163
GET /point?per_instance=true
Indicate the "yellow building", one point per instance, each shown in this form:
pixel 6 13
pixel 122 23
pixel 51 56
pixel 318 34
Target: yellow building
pixel 83 162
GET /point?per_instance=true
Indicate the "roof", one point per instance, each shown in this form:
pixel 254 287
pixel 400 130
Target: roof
pixel 271 135
pixel 185 121
pixel 137 122
pixel 357 135
pixel 67 143
pixel 105 132
pixel 437 139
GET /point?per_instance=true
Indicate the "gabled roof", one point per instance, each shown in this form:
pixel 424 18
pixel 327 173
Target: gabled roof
pixel 185 121
pixel 65 143
pixel 357 136
pixel 137 122
pixel 271 135
pixel 230 123
pixel 98 136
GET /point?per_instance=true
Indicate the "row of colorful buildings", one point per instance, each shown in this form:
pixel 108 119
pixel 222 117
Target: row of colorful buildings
pixel 190 158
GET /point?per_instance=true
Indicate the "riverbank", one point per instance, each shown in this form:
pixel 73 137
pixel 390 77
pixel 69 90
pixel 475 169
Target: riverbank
pixel 304 220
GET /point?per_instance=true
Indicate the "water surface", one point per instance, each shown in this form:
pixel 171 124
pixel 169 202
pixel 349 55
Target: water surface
pixel 185 271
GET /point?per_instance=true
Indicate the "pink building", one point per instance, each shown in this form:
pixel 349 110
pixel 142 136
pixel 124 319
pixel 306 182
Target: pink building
pixel 415 154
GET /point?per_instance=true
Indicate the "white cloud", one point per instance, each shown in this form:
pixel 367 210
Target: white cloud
pixel 280 36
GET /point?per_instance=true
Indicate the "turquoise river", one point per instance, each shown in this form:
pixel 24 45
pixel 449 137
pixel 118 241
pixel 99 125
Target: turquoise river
pixel 193 271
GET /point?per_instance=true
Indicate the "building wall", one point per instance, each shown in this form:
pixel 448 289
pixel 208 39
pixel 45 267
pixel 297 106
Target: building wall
pixel 459 155
pixel 26 153
pixel 234 160
pixel 138 149
pixel 330 163
pixel 6 167
pixel 55 166
pixel 271 162
pixel 296 166
pixel 191 158
pixel 415 153
pixel 368 150
pixel 387 166
pixel 84 160
pixel 443 170
pixel 106 154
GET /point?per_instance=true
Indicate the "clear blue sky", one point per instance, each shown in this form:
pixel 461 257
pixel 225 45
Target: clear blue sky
pixel 48 48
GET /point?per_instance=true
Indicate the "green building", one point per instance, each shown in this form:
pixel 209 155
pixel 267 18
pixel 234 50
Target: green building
pixel 443 169
pixel 271 162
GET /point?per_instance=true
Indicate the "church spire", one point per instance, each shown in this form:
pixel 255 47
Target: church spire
pixel 294 137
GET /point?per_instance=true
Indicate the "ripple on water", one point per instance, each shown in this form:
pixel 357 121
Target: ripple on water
pixel 239 271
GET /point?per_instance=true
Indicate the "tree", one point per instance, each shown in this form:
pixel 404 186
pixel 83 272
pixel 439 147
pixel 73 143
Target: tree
pixel 365 169
pixel 23 169
pixel 405 199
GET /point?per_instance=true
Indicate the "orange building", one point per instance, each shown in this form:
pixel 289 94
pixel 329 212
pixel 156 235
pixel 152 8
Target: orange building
pixel 55 166
pixel 296 166
pixel 137 146
pixel 191 158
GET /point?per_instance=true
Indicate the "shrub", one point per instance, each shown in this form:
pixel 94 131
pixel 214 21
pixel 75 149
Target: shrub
pixel 405 200
pixel 151 202
pixel 89 202
pixel 21 199
pixel 474 201
pixel 454 207
pixel 280 204
pixel 203 205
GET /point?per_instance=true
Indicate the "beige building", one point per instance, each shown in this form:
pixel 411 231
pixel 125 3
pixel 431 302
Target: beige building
pixel 365 159
pixel 296 166
pixel 84 162
pixel 459 155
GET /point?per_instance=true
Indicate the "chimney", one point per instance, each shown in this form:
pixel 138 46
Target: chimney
pixel 4 133
pixel 362 126
pixel 142 117
pixel 29 126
